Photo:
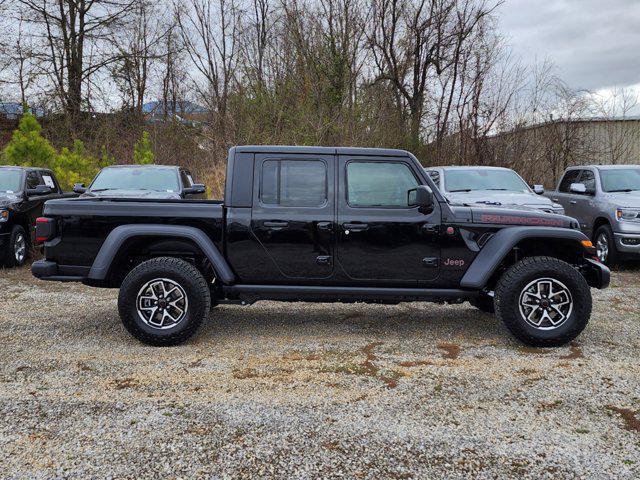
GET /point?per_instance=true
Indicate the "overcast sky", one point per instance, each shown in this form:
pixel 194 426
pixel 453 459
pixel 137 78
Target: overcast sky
pixel 594 44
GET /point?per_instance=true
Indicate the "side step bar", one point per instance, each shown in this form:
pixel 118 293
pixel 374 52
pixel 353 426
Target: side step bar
pixel 320 293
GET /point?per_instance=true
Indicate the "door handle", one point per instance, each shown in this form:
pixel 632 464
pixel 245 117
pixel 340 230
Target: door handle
pixel 430 228
pixel 355 227
pixel 555 199
pixel 324 226
pixel 275 225
pixel 573 202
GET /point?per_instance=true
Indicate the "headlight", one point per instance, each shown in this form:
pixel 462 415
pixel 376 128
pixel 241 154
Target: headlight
pixel 628 214
pixel 4 215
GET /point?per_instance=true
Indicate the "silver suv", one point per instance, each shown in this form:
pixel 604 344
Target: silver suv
pixel 605 199
pixel 491 186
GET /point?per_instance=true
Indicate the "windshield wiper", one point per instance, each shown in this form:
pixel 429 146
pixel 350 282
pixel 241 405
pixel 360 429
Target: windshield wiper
pixel 460 190
pixel 498 189
pixel 626 190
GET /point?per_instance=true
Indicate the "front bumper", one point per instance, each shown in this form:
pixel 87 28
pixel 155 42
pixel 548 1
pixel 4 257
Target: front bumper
pixel 597 274
pixel 627 242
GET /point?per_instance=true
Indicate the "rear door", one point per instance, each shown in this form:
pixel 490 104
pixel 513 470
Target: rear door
pixel 293 215
pixel 380 238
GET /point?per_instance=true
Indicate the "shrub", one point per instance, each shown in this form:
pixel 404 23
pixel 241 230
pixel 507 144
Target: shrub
pixel 142 151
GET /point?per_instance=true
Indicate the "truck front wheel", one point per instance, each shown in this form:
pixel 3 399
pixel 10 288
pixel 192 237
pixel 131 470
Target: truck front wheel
pixel 543 301
pixel 163 301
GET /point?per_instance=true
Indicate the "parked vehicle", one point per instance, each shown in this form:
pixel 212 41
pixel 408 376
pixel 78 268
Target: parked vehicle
pixel 605 199
pixel 23 191
pixel 143 181
pixel 323 225
pixel 497 186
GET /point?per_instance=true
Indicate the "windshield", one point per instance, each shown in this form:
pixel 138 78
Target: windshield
pixel 620 180
pixel 156 179
pixel 10 180
pixel 471 180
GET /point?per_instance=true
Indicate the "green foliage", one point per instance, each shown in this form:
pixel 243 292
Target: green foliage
pixel 142 151
pixel 105 158
pixel 27 147
pixel 74 165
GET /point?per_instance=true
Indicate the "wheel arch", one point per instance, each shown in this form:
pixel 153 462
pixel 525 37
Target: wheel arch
pixel 509 245
pixel 157 240
pixel 599 222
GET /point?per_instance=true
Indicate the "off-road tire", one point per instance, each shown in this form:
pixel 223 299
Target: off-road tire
pixel 176 270
pixel 9 259
pixel 613 256
pixel 511 285
pixel 484 303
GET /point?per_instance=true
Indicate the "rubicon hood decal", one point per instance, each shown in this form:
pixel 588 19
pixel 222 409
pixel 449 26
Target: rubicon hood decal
pixel 521 220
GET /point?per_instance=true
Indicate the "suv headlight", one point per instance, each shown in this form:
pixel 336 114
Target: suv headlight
pixel 628 214
pixel 4 215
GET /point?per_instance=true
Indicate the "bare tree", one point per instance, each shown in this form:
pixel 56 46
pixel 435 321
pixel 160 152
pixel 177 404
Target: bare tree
pixel 74 34
pixel 210 33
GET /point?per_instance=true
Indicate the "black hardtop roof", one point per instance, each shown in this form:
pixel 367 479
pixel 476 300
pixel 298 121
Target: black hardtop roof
pixel 379 152
pixel 26 169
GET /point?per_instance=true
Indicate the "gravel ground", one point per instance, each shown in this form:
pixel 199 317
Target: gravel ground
pixel 307 391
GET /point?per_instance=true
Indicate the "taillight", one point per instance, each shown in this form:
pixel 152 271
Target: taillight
pixel 45 229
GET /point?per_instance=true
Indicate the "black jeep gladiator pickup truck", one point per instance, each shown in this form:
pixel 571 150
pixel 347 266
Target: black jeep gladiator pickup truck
pixel 322 224
pixel 23 191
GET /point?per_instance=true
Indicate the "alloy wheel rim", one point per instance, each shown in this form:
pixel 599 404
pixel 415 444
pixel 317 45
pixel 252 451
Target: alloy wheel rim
pixel 545 303
pixel 20 248
pixel 602 247
pixel 162 303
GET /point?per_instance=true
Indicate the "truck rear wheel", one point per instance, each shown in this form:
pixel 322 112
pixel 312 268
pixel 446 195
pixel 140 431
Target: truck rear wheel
pixel 543 301
pixel 163 301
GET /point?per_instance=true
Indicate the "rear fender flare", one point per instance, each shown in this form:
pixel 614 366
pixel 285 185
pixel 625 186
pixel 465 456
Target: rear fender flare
pixel 119 235
pixel 498 247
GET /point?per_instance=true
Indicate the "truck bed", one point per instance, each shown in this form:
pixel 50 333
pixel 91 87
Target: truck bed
pixel 85 223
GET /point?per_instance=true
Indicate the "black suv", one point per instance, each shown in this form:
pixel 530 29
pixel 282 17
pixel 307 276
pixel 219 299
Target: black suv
pixel 322 224
pixel 143 181
pixel 23 192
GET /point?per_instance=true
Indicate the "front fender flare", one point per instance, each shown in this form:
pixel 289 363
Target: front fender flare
pixel 117 237
pixel 502 242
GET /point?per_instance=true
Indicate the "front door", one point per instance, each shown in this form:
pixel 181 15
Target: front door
pixel 380 238
pixel 293 215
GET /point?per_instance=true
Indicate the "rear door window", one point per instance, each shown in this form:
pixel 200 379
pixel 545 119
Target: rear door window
pixel 589 180
pixel 294 183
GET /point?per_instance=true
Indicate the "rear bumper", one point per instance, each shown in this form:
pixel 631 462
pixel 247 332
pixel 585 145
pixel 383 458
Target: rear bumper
pixel 597 274
pixel 627 242
pixel 47 270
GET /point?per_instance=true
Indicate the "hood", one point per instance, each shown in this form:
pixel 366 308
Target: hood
pixel 130 193
pixel 8 199
pixel 625 199
pixel 521 217
pixel 499 199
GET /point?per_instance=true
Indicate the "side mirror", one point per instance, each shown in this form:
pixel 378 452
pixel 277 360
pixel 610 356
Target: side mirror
pixel 79 188
pixel 39 190
pixel 195 189
pixel 578 188
pixel 420 197
pixel 539 189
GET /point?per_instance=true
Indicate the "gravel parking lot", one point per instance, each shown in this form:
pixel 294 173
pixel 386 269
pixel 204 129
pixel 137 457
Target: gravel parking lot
pixel 304 390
